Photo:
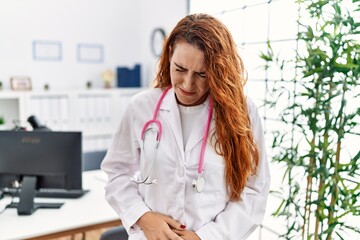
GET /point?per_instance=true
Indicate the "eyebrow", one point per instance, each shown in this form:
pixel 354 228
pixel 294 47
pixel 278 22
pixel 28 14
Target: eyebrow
pixel 182 68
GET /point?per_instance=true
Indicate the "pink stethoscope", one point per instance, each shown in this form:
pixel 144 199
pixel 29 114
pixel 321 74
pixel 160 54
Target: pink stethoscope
pixel 199 183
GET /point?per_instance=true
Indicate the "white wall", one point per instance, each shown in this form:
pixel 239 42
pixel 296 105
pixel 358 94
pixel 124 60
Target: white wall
pixel 122 27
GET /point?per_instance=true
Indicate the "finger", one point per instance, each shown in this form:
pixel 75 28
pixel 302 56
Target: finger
pixel 174 236
pixel 174 224
pixel 170 234
pixel 179 232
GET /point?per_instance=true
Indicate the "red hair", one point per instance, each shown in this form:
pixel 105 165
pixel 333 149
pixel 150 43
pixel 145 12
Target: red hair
pixel 226 75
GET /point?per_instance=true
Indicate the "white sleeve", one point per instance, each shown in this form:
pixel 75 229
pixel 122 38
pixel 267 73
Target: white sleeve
pixel 120 163
pixel 240 219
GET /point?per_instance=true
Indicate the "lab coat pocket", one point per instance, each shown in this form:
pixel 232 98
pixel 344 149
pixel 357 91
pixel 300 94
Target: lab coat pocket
pixel 215 187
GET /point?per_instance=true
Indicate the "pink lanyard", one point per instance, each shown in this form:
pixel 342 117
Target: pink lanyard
pixel 157 122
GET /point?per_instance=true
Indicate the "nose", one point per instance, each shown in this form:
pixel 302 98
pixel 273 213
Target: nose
pixel 188 82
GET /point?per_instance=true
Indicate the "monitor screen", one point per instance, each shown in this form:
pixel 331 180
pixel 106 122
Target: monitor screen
pixel 51 159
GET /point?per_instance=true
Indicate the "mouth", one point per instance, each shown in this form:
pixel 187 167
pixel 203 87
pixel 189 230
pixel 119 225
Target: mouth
pixel 186 93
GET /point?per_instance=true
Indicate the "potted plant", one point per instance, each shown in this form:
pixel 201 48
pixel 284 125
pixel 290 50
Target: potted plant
pixel 2 122
pixel 322 114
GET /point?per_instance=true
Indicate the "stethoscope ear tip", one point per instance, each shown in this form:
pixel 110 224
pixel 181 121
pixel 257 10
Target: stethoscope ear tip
pixel 155 181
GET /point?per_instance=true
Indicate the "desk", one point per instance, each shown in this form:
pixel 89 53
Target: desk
pixel 89 212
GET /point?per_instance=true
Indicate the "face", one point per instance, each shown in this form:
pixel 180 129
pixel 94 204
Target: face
pixel 187 72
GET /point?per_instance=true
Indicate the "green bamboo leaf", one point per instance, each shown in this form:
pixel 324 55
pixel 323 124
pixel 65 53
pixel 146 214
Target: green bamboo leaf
pixel 356 157
pixel 346 66
pixel 339 235
pixel 277 211
pixel 266 57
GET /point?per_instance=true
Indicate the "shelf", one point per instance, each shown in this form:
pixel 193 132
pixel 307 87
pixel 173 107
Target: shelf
pixel 95 112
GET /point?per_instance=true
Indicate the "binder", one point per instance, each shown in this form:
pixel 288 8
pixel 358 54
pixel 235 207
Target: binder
pixel 127 77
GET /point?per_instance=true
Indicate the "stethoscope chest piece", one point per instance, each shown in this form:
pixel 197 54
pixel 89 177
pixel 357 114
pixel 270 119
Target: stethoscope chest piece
pixel 199 184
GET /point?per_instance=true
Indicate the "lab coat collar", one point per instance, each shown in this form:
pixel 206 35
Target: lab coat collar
pixel 197 133
pixel 170 105
pixel 170 109
pixel 169 101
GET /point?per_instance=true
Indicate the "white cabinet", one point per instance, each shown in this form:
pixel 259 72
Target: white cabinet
pixel 94 112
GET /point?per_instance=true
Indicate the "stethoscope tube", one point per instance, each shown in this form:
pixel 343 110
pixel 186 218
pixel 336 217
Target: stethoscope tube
pixel 145 179
pixel 199 182
pixel 144 130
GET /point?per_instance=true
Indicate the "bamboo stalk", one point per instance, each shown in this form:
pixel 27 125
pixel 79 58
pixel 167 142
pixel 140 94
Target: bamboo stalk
pixel 336 176
pixel 316 232
pixel 321 183
pixel 308 194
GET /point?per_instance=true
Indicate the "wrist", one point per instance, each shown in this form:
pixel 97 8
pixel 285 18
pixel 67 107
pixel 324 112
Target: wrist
pixel 142 219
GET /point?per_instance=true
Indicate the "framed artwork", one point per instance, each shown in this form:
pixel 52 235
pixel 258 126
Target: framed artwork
pixel 47 50
pixel 90 53
pixel 20 83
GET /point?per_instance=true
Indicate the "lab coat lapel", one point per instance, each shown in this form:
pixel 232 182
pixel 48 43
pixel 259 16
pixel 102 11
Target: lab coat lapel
pixel 198 130
pixel 171 108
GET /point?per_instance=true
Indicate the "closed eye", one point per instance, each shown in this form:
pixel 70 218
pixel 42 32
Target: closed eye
pixel 202 75
pixel 179 68
pixel 182 69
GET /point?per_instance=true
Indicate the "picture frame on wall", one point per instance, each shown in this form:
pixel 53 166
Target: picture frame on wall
pixel 20 83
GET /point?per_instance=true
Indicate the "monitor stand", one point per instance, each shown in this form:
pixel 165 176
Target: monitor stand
pixel 26 205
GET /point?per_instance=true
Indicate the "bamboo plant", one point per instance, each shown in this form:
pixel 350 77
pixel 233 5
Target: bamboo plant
pixel 320 153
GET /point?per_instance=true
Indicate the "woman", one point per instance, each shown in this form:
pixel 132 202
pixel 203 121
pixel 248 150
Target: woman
pixel 209 177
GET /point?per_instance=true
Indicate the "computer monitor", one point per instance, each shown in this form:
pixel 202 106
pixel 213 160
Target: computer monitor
pixel 39 159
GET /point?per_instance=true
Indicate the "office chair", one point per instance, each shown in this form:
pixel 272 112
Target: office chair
pixel 92 160
pixel 115 233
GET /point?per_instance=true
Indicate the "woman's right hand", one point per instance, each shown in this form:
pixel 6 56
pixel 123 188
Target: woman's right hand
pixel 157 226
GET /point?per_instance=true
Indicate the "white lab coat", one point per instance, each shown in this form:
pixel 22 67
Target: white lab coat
pixel 209 213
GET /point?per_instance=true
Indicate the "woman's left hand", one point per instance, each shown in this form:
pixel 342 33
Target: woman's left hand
pixel 187 235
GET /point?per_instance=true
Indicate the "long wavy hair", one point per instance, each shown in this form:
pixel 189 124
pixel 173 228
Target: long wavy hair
pixel 226 75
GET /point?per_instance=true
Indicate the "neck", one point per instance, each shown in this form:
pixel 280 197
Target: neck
pixel 198 102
